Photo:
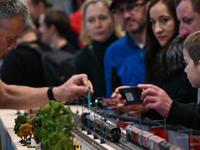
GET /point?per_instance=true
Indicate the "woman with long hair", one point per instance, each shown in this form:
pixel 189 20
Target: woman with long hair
pixel 164 61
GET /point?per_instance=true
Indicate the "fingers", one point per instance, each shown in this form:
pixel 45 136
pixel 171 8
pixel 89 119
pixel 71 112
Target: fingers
pixel 150 106
pixel 146 86
pixel 149 99
pixel 82 79
pixel 160 102
pixel 120 87
pixel 116 93
pixel 87 82
pixel 91 87
pixel 149 92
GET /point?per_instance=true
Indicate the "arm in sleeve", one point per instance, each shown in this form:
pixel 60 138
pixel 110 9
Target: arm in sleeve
pixel 187 115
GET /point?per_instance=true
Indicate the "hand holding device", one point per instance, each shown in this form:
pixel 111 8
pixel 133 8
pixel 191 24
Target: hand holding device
pixel 132 95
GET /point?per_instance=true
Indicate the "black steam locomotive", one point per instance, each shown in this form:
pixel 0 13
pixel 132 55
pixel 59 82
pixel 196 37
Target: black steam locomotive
pixel 105 129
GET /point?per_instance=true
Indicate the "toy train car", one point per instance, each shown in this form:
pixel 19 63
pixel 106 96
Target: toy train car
pixel 106 129
pixel 148 139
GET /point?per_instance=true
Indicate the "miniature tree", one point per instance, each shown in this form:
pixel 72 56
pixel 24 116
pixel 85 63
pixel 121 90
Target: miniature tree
pixel 37 124
pixel 21 119
pixel 25 131
pixel 56 125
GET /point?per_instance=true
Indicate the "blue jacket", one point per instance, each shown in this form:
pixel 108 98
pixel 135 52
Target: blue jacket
pixel 128 60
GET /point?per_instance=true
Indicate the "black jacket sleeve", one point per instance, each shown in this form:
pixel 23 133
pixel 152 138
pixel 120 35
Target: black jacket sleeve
pixel 187 115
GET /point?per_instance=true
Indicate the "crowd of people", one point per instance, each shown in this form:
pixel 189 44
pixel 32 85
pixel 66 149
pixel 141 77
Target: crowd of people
pixel 152 44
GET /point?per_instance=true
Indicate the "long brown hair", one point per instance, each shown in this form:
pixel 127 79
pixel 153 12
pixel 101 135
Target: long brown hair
pixel 152 45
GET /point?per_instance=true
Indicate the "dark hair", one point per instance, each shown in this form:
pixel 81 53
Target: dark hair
pixel 58 18
pixel 192 46
pixel 152 45
pixel 47 4
pixel 195 5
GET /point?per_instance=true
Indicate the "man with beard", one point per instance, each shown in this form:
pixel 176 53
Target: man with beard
pixel 124 59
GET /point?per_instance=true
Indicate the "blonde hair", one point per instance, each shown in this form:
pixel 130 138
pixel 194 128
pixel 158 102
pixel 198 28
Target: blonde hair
pixel 84 36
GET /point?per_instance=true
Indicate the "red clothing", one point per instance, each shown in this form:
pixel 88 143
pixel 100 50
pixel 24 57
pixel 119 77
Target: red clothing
pixel 76 21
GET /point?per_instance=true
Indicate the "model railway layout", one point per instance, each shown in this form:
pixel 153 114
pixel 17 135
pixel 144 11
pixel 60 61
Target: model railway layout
pixel 117 145
pixel 141 139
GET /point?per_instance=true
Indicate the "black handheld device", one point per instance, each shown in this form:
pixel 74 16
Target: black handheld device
pixel 132 95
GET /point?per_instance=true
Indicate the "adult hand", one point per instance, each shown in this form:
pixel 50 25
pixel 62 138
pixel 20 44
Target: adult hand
pixel 155 98
pixel 74 87
pixel 116 94
pixel 121 108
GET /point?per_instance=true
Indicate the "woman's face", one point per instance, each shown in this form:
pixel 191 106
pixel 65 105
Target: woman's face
pixel 162 23
pixel 98 22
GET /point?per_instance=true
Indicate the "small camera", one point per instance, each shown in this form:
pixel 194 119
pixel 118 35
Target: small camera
pixel 132 95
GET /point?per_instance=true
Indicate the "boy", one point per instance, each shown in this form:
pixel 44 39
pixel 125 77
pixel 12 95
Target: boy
pixel 191 52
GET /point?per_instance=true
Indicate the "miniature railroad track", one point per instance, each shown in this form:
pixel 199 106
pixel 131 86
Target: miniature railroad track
pixel 77 130
pixel 83 136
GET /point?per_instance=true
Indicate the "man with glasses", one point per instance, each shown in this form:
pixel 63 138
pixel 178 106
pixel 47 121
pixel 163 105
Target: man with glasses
pixel 124 59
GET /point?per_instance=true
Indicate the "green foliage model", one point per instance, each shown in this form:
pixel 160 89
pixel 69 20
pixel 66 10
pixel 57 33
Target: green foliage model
pixel 21 119
pixel 53 126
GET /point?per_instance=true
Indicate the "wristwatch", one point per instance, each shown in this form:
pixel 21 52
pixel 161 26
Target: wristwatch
pixel 50 94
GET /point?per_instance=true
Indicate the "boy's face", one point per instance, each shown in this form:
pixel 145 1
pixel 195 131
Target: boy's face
pixel 45 32
pixel 193 71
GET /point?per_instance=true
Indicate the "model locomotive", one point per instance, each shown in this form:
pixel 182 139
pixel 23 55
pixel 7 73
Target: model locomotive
pixel 148 140
pixel 106 129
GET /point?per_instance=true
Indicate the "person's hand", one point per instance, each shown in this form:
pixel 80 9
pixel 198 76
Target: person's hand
pixel 116 94
pixel 155 98
pixel 121 108
pixel 74 87
pixel 118 108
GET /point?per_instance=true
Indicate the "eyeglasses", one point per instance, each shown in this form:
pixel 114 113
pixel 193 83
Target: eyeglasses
pixel 130 8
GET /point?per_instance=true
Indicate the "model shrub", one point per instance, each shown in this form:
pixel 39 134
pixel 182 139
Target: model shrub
pixel 53 126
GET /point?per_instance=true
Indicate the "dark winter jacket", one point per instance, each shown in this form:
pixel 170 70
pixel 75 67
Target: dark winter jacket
pixel 170 74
